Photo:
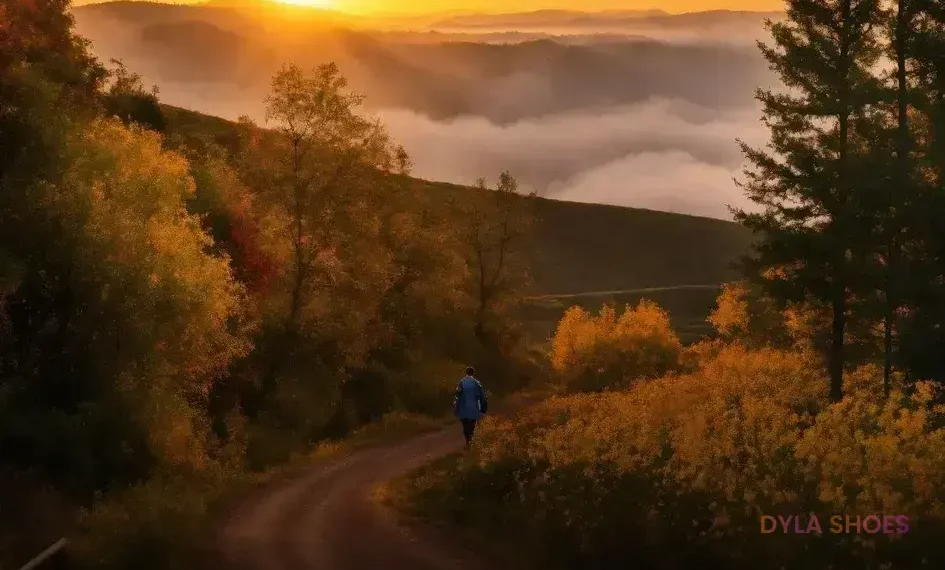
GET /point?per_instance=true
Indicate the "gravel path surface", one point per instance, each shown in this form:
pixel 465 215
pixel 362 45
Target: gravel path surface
pixel 325 519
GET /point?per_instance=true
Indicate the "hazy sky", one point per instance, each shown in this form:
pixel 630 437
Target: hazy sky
pixel 528 5
pixel 413 6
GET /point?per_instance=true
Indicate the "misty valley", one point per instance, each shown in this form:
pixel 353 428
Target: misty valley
pixel 644 113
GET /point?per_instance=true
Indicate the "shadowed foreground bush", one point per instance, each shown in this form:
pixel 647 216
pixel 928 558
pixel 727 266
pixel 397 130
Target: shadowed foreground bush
pixel 676 472
pixel 151 526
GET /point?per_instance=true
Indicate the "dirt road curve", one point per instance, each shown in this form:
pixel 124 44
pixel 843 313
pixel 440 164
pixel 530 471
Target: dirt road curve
pixel 325 519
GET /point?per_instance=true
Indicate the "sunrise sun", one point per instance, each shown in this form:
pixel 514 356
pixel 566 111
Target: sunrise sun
pixel 310 3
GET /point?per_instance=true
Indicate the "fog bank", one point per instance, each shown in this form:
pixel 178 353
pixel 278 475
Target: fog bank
pixel 591 118
pixel 662 154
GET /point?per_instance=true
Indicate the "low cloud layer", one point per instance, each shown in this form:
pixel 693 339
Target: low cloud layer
pixel 643 124
pixel 662 154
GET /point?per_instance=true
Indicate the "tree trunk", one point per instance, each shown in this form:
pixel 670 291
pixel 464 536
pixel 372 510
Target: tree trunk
pixel 480 327
pixel 284 346
pixel 839 294
pixel 836 343
pixel 903 20
pixel 887 344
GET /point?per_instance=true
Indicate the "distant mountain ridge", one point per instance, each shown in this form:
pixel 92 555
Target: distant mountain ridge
pixel 533 19
pixel 608 20
pixel 604 116
pixel 532 74
pixel 543 17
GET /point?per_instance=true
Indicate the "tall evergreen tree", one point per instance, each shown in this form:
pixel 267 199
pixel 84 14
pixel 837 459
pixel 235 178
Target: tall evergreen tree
pixel 806 182
pixel 923 343
pixel 892 184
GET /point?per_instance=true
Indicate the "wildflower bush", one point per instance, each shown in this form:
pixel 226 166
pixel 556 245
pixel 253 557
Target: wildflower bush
pixel 595 352
pixel 676 472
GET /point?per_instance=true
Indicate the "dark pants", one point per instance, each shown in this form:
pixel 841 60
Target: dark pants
pixel 469 426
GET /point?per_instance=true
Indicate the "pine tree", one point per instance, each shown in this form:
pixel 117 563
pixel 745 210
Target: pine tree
pixel 807 183
pixel 923 343
pixel 892 207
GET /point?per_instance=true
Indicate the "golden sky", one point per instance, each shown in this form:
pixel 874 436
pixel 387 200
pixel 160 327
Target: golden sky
pixel 529 5
pixel 427 6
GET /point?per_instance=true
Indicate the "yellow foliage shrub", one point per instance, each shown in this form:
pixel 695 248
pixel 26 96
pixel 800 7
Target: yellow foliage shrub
pixel 678 471
pixel 731 317
pixel 591 353
pixel 745 315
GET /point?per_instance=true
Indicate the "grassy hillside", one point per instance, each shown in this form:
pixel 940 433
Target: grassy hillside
pixel 594 247
pixel 589 254
pixel 197 129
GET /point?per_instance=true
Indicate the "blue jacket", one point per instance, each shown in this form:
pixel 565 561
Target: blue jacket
pixel 470 399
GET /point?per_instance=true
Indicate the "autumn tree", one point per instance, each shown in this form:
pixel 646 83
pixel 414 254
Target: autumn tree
pixel 743 314
pixel 119 321
pixel 230 214
pixel 425 312
pixel 430 299
pixel 47 74
pixel 323 168
pixel 499 225
pixel 127 99
pixel 807 182
pixel 39 34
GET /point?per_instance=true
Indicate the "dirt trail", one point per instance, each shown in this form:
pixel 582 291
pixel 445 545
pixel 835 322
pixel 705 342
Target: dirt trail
pixel 325 518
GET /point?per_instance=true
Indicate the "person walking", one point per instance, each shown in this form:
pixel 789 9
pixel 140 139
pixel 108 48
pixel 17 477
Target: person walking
pixel 470 403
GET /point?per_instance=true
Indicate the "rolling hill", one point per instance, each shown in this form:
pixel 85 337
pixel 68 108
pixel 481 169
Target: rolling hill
pixel 588 254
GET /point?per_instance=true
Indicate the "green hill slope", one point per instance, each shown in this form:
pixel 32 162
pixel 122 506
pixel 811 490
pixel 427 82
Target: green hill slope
pixel 589 254
pixel 593 247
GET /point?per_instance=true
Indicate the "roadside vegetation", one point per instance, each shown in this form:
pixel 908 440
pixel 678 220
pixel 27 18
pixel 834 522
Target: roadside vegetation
pixel 821 390
pixel 186 313
pixel 675 470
